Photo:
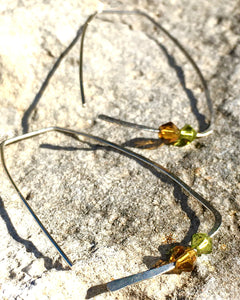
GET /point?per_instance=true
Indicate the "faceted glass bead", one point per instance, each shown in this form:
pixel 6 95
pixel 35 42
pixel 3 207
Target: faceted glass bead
pixel 187 135
pixel 202 243
pixel 176 252
pixel 169 132
pixel 185 258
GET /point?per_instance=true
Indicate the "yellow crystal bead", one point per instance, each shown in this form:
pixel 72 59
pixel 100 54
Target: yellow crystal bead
pixel 202 243
pixel 169 133
pixel 187 135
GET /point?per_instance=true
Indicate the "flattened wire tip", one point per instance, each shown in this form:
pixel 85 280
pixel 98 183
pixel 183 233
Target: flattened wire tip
pixel 126 281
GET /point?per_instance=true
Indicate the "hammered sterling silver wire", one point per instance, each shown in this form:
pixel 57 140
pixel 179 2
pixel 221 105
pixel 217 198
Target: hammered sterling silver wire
pixel 120 283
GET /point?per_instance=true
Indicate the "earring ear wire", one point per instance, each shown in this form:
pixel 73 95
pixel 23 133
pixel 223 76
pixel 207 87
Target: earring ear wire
pixel 169 133
pixel 117 284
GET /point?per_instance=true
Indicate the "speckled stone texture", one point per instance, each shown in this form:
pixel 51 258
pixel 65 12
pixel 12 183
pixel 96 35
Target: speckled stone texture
pixel 111 215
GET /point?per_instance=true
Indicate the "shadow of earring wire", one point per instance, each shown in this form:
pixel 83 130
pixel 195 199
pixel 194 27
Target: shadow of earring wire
pixel 30 247
pixel 144 143
pixel 96 290
pixel 180 74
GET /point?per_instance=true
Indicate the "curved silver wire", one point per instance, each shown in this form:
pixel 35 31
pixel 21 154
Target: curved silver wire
pixel 206 132
pixel 129 153
pixel 84 28
pixel 142 127
pixel 46 81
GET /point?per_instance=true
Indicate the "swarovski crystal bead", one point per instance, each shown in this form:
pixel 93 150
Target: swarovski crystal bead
pixel 187 135
pixel 202 243
pixel 169 133
pixel 185 258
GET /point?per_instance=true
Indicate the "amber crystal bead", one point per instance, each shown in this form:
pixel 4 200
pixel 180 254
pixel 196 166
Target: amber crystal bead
pixel 169 133
pixel 202 243
pixel 185 258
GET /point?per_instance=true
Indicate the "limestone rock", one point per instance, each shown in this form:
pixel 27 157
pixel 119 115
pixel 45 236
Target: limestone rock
pixel 111 215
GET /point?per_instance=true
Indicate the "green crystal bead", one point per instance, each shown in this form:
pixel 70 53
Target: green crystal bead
pixel 202 243
pixel 187 135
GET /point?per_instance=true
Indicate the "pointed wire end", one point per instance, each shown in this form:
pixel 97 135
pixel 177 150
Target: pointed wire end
pixel 68 261
pixel 205 133
pixel 102 117
pixel 58 248
pixel 126 281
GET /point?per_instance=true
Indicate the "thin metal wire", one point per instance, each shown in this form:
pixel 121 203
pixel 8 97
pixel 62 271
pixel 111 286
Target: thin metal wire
pixel 45 83
pixel 206 132
pixel 142 127
pixel 81 56
pixel 118 284
pixel 11 141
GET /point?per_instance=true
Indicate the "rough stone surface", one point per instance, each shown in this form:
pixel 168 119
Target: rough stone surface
pixel 111 215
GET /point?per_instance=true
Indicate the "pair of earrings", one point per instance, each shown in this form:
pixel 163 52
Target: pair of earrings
pixel 182 258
